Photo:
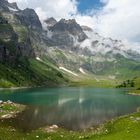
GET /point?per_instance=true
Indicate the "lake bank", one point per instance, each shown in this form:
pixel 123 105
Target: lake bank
pixel 135 92
pixel 15 88
pixel 73 108
pixel 9 109
pixel 124 127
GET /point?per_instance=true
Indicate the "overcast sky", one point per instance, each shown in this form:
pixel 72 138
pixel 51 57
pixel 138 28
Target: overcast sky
pixel 119 19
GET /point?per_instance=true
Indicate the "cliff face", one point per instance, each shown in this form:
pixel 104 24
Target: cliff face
pixel 6 6
pixel 16 31
pixel 8 42
pixel 11 46
pixel 29 18
pixel 22 42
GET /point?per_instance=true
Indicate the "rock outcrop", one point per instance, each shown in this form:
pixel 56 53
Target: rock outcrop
pixel 67 32
pixel 29 18
pixel 5 6
pixel 50 22
pixel 15 26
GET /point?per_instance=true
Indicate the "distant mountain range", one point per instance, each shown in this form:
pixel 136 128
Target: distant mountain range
pixel 61 46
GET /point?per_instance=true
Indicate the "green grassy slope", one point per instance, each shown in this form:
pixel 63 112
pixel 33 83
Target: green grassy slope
pixel 90 80
pixel 123 69
pixel 30 73
pixel 125 128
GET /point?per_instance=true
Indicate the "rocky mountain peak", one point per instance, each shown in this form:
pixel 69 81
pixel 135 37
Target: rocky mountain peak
pixel 14 5
pixel 69 21
pixel 3 5
pixel 69 28
pixel 6 6
pixel 29 18
pixel 50 22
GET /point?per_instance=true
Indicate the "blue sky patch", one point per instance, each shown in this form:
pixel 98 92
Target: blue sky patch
pixel 87 5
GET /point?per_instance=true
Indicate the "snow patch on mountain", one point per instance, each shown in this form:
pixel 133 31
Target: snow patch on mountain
pixel 12 9
pixel 37 58
pixel 82 71
pixel 69 71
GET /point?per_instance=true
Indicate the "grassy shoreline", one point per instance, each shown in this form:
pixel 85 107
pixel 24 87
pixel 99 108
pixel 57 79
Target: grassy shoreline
pixel 125 127
pixel 135 92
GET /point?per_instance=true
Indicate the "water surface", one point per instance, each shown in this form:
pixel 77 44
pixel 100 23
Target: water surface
pixel 71 108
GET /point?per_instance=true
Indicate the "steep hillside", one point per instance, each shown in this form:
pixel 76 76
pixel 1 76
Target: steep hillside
pixel 30 73
pixel 19 39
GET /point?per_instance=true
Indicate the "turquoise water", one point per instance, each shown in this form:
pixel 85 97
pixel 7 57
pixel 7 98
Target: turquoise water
pixel 71 108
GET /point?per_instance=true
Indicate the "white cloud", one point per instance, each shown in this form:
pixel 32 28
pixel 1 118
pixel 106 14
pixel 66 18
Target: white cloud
pixel 50 8
pixel 21 3
pixel 119 19
pixel 42 14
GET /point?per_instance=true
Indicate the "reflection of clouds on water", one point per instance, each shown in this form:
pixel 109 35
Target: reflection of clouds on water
pixel 65 98
pixel 77 110
pixel 72 108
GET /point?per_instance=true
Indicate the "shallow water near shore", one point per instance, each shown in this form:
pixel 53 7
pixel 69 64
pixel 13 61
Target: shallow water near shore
pixel 70 108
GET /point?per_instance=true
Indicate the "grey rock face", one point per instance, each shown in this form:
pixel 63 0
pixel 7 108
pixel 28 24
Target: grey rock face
pixel 50 22
pixel 13 5
pixel 69 26
pixel 67 32
pixel 63 39
pixel 4 5
pixel 8 41
pixel 29 18
pixel 16 41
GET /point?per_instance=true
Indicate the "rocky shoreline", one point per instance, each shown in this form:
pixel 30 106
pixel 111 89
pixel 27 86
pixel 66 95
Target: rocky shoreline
pixel 9 109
